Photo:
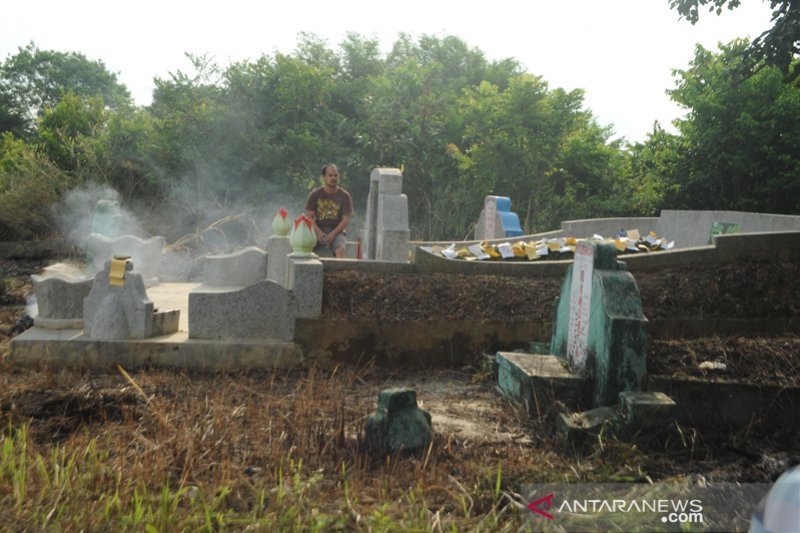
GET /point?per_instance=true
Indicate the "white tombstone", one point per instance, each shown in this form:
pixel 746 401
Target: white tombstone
pixel 488 226
pixel 580 305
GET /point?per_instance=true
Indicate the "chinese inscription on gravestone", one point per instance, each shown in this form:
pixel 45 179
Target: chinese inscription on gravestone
pixel 580 306
pixel 490 214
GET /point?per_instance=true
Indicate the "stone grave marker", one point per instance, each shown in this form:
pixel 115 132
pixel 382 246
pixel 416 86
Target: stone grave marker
pixel 386 231
pixel 599 325
pixel 496 220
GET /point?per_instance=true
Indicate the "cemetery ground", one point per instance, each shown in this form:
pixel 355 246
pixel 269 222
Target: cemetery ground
pixel 281 450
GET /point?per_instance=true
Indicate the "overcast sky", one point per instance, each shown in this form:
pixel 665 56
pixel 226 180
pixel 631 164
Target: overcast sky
pixel 621 52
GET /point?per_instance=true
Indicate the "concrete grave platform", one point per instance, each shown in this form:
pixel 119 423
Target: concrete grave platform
pixel 536 381
pixel 71 348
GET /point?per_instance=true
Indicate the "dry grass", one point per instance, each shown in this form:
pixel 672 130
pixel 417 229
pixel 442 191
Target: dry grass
pixel 272 450
pixel 281 451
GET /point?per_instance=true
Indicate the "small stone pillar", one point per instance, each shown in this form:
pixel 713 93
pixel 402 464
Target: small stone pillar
pixel 386 232
pixel 279 248
pixel 305 282
pixel 398 424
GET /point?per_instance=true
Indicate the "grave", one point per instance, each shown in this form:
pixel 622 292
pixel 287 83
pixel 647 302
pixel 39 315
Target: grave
pixel 496 220
pixel 599 325
pixel 107 219
pixel 117 306
pixel 256 306
pixel 597 360
pixel 386 232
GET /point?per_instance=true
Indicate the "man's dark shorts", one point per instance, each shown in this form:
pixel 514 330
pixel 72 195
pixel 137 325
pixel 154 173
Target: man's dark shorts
pixel 340 241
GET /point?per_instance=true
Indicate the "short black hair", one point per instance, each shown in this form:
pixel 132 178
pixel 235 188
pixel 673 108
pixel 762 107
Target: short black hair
pixel 325 168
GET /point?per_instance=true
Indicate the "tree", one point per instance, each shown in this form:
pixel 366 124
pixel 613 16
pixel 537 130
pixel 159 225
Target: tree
pixel 34 80
pixel 68 132
pixel 741 140
pixel 651 179
pixel 777 46
pixel 537 146
pixel 30 184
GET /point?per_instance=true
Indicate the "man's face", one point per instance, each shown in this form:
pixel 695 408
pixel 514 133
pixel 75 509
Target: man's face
pixel 331 176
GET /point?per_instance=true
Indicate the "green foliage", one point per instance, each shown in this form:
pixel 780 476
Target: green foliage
pixel 34 80
pixel 777 46
pixel 68 132
pixel 653 171
pixel 29 185
pixel 218 142
pixel 536 146
pixel 740 140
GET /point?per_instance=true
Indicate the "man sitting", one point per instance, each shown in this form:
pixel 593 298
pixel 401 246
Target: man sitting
pixel 330 207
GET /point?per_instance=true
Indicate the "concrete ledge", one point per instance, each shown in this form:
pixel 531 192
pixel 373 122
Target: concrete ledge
pixel 165 322
pixel 72 349
pixel 647 410
pixel 778 246
pixel 427 262
pixel 58 323
pixel 729 404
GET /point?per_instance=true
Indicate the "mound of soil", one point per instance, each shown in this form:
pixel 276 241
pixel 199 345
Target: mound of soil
pixel 773 360
pixel 742 290
pixel 747 290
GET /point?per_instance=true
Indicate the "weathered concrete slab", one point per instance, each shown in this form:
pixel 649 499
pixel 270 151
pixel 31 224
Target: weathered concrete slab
pixel 691 228
pixel 726 404
pixel 38 347
pixel 262 310
pixel 537 381
pixel 60 301
pixel 643 410
pixel 584 428
pixel 144 253
pixel 241 268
